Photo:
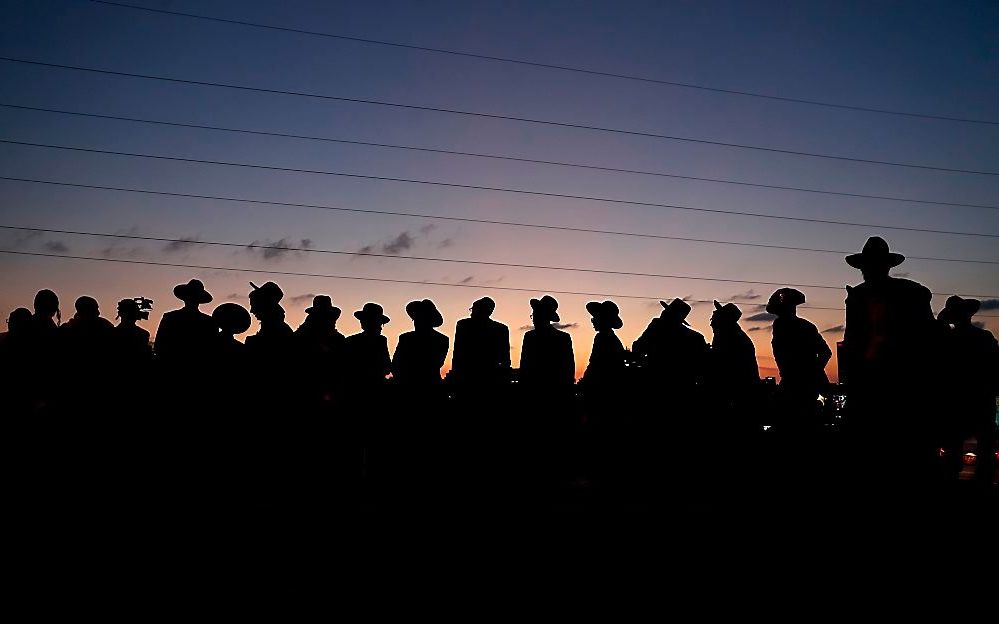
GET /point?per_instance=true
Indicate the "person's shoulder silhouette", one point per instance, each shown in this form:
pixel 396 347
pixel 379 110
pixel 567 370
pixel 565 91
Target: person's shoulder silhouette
pixel 420 353
pixel 186 333
pixel 546 358
pixel 367 358
pixel 481 346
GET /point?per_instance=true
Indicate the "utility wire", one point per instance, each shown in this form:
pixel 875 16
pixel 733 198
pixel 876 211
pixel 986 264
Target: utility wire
pixel 394 213
pixel 609 200
pixel 662 174
pixel 564 68
pixel 528 120
pixel 189 241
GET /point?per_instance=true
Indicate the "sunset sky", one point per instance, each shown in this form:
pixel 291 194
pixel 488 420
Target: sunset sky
pixel 934 58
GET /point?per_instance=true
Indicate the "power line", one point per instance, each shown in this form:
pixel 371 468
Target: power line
pixel 380 280
pixel 564 68
pixel 528 120
pixel 365 279
pixel 609 200
pixel 394 213
pixel 575 165
pixel 368 254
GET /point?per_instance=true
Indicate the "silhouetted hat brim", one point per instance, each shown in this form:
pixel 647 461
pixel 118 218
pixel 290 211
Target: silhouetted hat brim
pixel 542 309
pixel 682 317
pixel 189 292
pixel 861 260
pixel 959 307
pixel 597 310
pixel 331 311
pixel 361 315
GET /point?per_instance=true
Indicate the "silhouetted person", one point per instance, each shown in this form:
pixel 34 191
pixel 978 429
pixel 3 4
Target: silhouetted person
pixel 131 341
pixel 733 376
pixel 273 342
pixel 888 352
pixel 607 360
pixel 420 353
pixel 672 355
pixel 186 336
pixel 368 360
pixel 801 355
pixel 88 342
pixel 971 362
pixel 232 319
pixel 15 348
pixel 321 348
pixel 546 360
pixel 44 353
pixel 547 375
pixel 481 348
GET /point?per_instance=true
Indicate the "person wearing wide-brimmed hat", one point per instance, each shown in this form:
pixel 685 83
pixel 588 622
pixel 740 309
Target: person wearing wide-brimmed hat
pixel 184 336
pixel 367 358
pixel 481 347
pixel 607 359
pixel 890 347
pixel 670 353
pixel 971 362
pixel 733 374
pixel 131 341
pixel 274 340
pixel 801 355
pixel 420 353
pixel 546 359
pixel 321 348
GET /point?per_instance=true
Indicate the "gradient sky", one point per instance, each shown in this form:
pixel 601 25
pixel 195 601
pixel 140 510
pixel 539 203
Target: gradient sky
pixel 939 58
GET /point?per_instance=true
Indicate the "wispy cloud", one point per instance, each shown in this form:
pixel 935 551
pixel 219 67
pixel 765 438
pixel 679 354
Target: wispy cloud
pixel 56 246
pixel 768 328
pixel 749 294
pixel 835 329
pixel 467 280
pixel 300 299
pixel 978 324
pixel 428 228
pixel 902 274
pixel 444 244
pixel 276 250
pixel 990 304
pixel 761 316
pixel 555 325
pixel 182 244
pixel 403 242
pixel 235 296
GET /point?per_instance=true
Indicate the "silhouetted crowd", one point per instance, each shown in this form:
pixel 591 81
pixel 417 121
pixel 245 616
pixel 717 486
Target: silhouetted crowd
pixel 297 418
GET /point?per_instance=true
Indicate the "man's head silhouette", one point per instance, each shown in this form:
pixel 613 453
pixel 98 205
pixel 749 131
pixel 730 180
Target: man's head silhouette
pixel 87 308
pixel 372 317
pixel 675 311
pixel 875 260
pixel 483 308
pixel 46 304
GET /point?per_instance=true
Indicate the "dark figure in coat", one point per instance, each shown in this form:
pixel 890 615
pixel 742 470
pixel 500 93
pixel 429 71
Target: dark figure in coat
pixel 733 376
pixel 732 367
pixel 420 353
pixel 321 348
pixel 605 370
pixel 87 344
pixel 801 355
pixel 231 319
pixel 368 362
pixel 890 347
pixel 546 360
pixel 481 348
pixel 971 359
pixel 15 351
pixel 186 336
pixel 131 342
pixel 273 342
pixel 672 355
pixel 44 352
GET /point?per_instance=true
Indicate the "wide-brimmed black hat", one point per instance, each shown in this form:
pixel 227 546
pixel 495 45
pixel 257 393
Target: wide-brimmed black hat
pixel 545 309
pixel 424 310
pixel 371 311
pixel 231 318
pixel 268 293
pixel 784 298
pixel 322 305
pixel 875 253
pixel 193 291
pixel 728 312
pixel 606 310
pixel 677 309
pixel 958 308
